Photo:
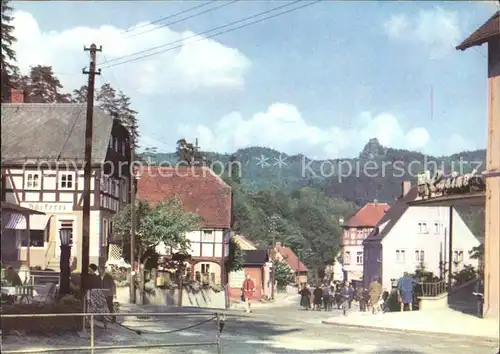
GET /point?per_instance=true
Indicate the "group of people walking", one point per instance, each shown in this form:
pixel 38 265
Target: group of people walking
pixel 327 296
pixel 342 295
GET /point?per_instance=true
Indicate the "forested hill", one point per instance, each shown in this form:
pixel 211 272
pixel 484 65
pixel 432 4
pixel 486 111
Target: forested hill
pixel 376 173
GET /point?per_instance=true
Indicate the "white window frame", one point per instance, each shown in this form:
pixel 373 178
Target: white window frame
pixel 206 267
pixel 123 148
pixel 359 233
pixel 419 256
pixel 422 228
pixel 33 185
pixel 347 258
pixel 458 255
pixel 359 258
pixel 66 174
pixel 437 228
pixel 116 147
pixel 401 256
pixel 207 236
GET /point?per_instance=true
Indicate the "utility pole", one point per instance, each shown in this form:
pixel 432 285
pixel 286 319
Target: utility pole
pixel 132 216
pixel 87 168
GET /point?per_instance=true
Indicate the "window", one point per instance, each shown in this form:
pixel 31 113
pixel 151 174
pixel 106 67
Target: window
pixel 66 224
pixel 105 232
pixel 359 233
pixel 123 148
pixel 422 228
pixel 359 257
pixel 37 238
pixel 207 236
pixel 32 180
pixel 419 255
pixel 116 144
pixel 400 256
pixel 104 184
pixel 437 228
pixel 458 256
pixel 205 268
pixel 66 180
pixel 347 258
pixel 124 190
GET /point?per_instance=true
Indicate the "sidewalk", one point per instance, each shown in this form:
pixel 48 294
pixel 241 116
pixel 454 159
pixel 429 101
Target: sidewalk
pixel 281 299
pixel 438 322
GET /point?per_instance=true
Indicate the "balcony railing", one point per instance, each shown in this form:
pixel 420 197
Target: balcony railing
pixel 434 289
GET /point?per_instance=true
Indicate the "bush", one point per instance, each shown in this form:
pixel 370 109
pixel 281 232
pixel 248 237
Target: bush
pixel 465 275
pixel 43 325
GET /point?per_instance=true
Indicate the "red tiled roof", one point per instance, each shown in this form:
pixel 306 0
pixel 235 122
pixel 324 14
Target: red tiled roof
pixel 291 258
pixel 369 215
pixel 199 189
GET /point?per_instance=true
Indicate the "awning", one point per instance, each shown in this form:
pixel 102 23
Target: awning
pixel 18 222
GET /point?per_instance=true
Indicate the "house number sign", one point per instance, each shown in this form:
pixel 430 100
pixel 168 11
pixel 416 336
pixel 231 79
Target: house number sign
pixel 49 207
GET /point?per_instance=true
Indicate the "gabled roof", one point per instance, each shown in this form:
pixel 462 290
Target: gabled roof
pixel 387 222
pixel 244 243
pixel 291 258
pixel 368 216
pixel 483 34
pixel 255 257
pixel 200 190
pixel 52 132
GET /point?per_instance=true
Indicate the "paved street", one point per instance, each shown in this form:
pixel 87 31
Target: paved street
pixel 281 330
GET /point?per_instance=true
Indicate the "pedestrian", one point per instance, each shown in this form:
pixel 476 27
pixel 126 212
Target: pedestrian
pixel 248 292
pixel 352 293
pixel 107 283
pixel 12 277
pixel 326 297
pixel 361 300
pixel 318 296
pixel 305 297
pixel 375 291
pixel 405 291
pixel 345 295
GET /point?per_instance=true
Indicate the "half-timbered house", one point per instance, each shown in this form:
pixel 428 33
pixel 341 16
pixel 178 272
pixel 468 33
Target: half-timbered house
pixel 42 169
pixel 203 193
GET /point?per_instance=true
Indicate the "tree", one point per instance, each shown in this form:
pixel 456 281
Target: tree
pixel 42 86
pixel 282 274
pixel 189 154
pixel 80 95
pixel 236 257
pixel 127 116
pixel 477 252
pixel 165 223
pixel 106 99
pixel 10 72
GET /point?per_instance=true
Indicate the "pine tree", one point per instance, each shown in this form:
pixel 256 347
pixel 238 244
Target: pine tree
pixel 42 86
pixel 9 69
pixel 106 99
pixel 128 116
pixel 80 95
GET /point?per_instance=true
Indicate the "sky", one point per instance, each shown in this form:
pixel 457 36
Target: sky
pixel 320 80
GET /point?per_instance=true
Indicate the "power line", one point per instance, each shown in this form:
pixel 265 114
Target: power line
pixel 202 33
pixel 184 18
pixel 215 34
pixel 169 17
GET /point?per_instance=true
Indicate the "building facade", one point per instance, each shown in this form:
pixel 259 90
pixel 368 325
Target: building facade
pixel 42 169
pixel 205 194
pixel 409 237
pixel 298 269
pixel 355 231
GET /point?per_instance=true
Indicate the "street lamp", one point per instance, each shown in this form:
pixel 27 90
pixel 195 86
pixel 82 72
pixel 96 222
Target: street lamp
pixel 65 237
pixel 272 226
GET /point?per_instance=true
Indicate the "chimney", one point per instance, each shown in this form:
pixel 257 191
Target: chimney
pixel 405 188
pixel 16 96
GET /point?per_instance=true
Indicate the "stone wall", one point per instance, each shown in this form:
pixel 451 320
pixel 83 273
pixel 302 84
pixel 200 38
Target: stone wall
pixel 204 298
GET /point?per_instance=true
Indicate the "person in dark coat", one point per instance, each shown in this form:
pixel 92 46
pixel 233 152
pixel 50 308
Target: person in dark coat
pixel 107 283
pixel 305 297
pixel 352 294
pixel 405 289
pixel 318 297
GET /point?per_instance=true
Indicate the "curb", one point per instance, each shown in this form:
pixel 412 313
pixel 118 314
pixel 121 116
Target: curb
pixel 415 331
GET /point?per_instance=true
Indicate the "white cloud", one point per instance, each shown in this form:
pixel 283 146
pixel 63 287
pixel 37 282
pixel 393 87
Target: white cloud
pixel 283 128
pixel 201 64
pixel 437 29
